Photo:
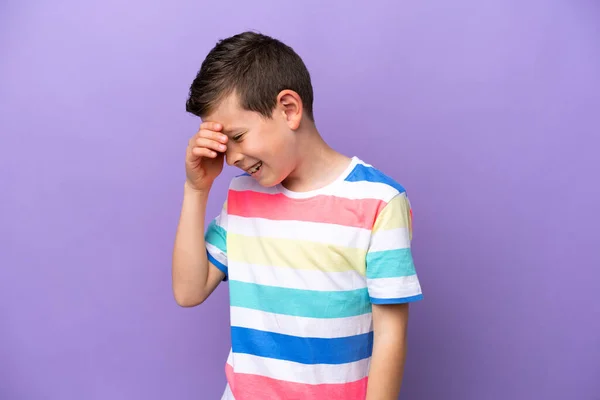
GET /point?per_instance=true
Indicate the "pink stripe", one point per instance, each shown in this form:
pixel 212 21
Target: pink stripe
pixel 359 213
pixel 253 387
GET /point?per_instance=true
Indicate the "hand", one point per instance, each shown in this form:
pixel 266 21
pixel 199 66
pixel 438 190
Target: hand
pixel 205 155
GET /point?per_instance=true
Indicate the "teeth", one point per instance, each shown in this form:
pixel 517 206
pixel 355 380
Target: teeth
pixel 255 168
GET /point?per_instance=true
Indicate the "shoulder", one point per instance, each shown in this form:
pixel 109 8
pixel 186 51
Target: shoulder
pixel 244 190
pixel 375 182
pixel 394 208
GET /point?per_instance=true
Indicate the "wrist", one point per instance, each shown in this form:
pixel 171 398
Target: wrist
pixel 189 189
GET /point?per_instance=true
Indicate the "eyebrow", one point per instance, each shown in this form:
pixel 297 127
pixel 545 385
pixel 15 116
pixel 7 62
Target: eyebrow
pixel 230 131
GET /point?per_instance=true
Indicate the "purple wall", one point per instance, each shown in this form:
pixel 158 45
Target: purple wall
pixel 488 112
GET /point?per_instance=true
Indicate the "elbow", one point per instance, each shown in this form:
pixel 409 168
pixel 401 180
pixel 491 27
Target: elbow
pixel 188 300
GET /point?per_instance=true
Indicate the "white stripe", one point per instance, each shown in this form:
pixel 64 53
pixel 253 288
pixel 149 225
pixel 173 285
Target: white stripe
pixel 313 374
pixel 230 357
pixel 394 288
pixel 390 239
pixel 350 190
pixel 365 190
pixel 291 278
pixel 242 183
pixel 301 326
pixel 334 234
pixel 216 253
pixel 303 279
pixel 222 219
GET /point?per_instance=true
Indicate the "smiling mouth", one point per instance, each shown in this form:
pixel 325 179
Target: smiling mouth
pixel 255 168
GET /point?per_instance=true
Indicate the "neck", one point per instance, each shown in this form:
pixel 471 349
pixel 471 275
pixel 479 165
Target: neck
pixel 317 163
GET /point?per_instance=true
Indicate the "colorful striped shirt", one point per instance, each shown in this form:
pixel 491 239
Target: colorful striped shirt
pixel 304 269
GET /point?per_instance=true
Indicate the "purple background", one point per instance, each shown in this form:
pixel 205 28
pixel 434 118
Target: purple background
pixel 487 111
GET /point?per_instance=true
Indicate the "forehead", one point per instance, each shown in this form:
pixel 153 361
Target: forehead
pixel 230 114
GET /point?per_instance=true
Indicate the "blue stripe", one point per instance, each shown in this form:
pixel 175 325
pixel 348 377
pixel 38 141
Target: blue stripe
pixel 217 264
pixel 299 303
pixel 400 300
pixel 299 349
pixel 363 173
pixel 390 264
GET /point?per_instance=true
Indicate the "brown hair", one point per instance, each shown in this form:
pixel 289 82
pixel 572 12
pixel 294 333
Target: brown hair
pixel 255 66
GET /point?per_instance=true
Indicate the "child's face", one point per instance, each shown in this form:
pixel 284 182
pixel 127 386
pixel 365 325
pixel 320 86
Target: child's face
pixel 264 148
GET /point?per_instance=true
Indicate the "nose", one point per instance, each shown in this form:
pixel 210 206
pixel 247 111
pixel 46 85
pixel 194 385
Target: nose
pixel 232 156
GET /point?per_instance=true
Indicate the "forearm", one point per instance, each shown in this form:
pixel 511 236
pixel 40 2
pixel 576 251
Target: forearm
pixel 190 263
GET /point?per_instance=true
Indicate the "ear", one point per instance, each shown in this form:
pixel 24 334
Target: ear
pixel 289 104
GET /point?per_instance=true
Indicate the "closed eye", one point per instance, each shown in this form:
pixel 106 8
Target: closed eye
pixel 237 137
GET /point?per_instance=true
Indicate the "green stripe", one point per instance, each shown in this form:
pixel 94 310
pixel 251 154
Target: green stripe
pixel 216 236
pixel 300 303
pixel 390 264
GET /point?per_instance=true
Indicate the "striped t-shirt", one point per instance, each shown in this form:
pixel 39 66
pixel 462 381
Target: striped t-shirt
pixel 304 269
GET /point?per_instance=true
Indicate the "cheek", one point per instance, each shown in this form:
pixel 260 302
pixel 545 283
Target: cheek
pixel 282 153
pixel 275 149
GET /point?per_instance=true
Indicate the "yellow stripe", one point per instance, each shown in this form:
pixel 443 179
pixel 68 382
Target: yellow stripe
pixel 396 214
pixel 297 254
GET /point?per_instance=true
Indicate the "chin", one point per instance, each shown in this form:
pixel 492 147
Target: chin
pixel 269 181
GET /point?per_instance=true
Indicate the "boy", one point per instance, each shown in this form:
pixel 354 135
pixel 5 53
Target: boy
pixel 315 245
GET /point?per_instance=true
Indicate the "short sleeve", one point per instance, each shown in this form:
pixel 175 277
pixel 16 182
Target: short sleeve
pixel 216 241
pixel 391 274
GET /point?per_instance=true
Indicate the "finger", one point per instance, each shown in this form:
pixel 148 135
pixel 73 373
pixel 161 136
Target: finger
pixel 210 144
pixel 211 126
pixel 208 134
pixel 204 152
